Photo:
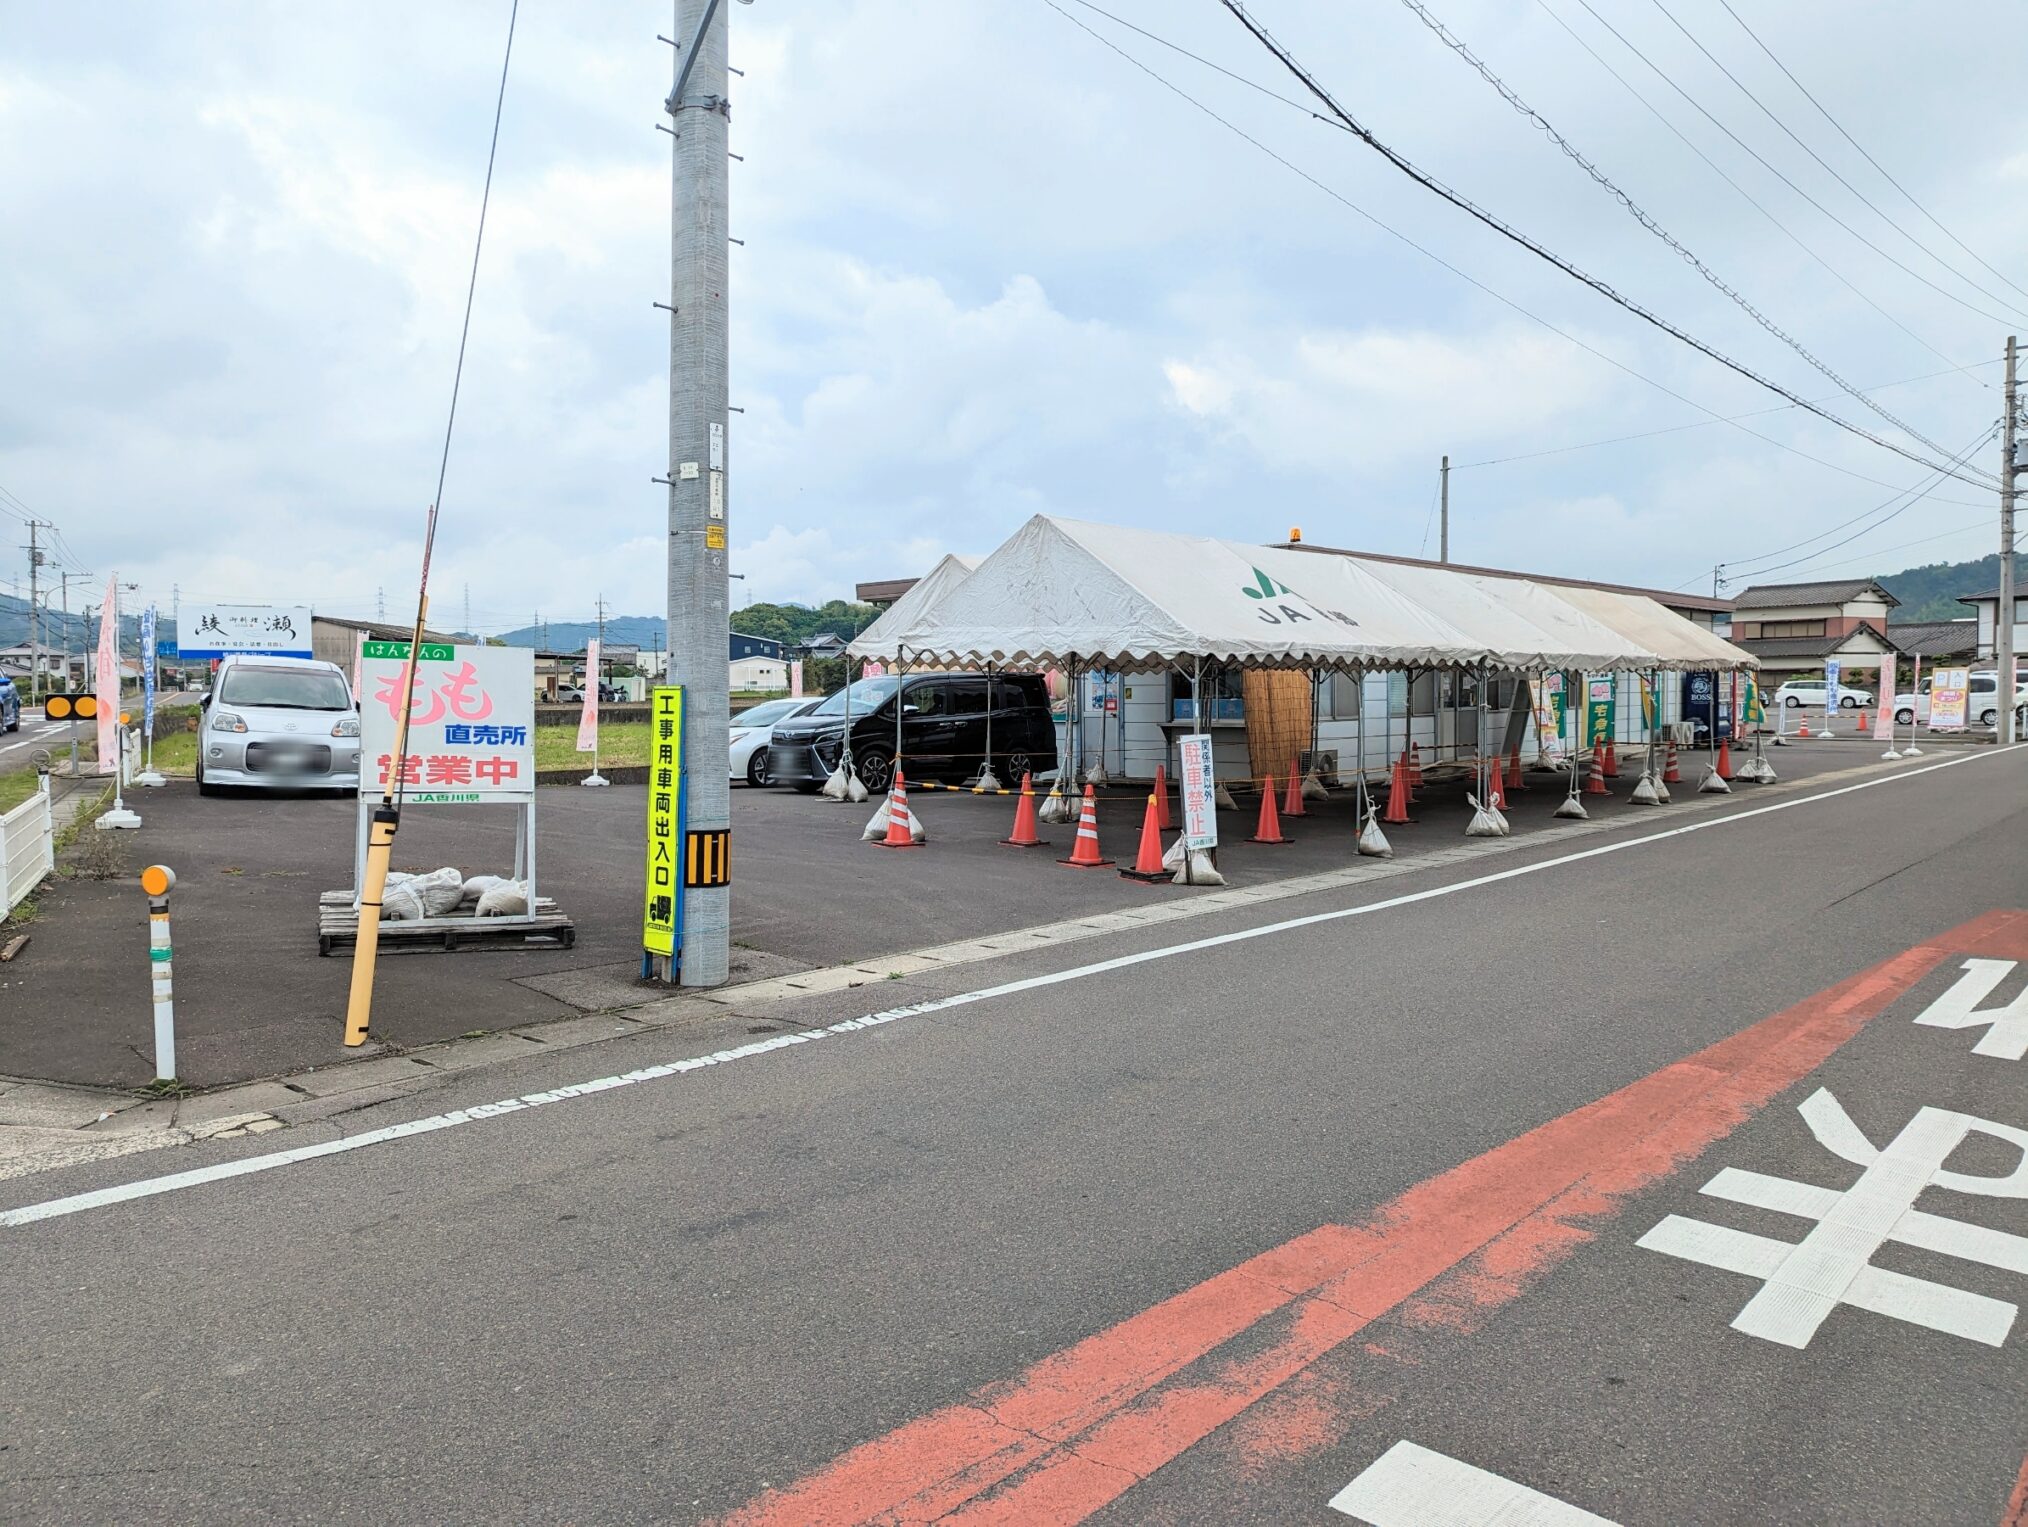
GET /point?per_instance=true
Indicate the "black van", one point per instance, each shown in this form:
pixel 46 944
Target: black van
pixel 943 730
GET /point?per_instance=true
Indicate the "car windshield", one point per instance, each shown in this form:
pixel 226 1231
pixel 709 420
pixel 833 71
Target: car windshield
pixel 867 694
pixel 766 713
pixel 287 688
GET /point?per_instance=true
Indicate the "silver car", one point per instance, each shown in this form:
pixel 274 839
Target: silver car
pixel 278 723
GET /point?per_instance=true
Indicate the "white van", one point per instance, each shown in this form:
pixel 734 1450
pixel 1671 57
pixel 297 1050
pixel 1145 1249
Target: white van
pixel 278 723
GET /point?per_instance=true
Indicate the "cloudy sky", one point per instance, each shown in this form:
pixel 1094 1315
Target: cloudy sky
pixel 991 268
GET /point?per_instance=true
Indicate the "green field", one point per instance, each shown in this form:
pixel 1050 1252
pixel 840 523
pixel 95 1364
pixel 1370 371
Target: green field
pixel 620 744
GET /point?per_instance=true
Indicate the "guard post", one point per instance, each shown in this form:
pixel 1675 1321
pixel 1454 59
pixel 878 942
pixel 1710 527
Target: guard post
pixel 158 880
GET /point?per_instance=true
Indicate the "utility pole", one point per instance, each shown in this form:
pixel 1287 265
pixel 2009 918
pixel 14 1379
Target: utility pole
pixel 67 579
pixel 35 527
pixel 2003 612
pixel 1717 579
pixel 1444 521
pixel 699 253
pixel 468 609
pixel 598 677
pixel 380 603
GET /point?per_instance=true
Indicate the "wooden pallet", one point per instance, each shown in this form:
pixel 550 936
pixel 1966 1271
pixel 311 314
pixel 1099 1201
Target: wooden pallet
pixel 338 928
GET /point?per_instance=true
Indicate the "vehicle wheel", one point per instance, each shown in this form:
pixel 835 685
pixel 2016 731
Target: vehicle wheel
pixel 204 786
pixel 1847 702
pixel 1793 703
pixel 757 769
pixel 1018 764
pixel 875 768
pixel 1904 718
pixel 1988 718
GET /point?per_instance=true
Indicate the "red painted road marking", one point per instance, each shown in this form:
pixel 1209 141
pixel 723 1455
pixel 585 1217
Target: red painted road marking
pixel 1077 1430
pixel 2017 1503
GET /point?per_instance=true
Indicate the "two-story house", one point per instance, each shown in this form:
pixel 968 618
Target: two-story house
pixel 1795 628
pixel 1988 607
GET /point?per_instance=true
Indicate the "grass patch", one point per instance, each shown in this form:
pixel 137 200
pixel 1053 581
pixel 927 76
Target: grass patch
pixel 16 786
pixel 620 743
pixel 175 754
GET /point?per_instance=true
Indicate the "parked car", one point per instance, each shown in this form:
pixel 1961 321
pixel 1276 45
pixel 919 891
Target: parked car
pixel 1812 692
pixel 943 719
pixel 1981 701
pixel 10 705
pixel 753 729
pixel 608 694
pixel 278 723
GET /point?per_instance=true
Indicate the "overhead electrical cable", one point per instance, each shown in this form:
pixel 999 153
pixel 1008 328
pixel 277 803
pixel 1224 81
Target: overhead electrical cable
pixel 1747 196
pixel 1761 160
pixel 1831 169
pixel 1824 112
pixel 1543 252
pixel 1436 259
pixel 1647 220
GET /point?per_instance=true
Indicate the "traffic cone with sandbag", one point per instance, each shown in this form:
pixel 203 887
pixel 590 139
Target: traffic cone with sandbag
pixel 1672 773
pixel 1148 861
pixel 1313 787
pixel 1414 766
pixel 1484 823
pixel 1269 828
pixel 1570 807
pixel 1221 798
pixel 903 830
pixel 1162 797
pixel 1595 771
pixel 1713 783
pixel 1514 784
pixel 1057 807
pixel 1084 854
pixel 1496 787
pixel 1612 759
pixel 1724 764
pixel 1372 841
pixel 1024 834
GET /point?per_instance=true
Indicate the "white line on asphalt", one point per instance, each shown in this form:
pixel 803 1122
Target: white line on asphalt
pixel 175 1181
pixel 1411 1486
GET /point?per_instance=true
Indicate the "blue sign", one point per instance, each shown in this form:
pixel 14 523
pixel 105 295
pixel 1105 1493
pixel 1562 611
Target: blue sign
pixel 148 673
pixel 1700 691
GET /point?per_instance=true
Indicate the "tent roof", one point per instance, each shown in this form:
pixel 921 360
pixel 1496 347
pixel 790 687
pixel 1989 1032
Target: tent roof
pixel 917 600
pixel 1062 590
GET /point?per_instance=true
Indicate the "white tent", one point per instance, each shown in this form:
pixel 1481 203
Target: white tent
pixel 1062 591
pixel 921 597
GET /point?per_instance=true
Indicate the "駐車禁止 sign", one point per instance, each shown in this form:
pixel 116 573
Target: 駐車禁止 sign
pixel 471 729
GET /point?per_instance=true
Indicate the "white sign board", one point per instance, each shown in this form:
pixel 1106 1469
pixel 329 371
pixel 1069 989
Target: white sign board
pixel 471 733
pixel 1948 692
pixel 206 631
pixel 1200 816
pixel 1831 672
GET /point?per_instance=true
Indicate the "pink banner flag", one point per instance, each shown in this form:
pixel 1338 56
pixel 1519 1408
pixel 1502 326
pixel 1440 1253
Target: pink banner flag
pixel 108 678
pixel 1883 718
pixel 588 722
pixel 796 679
pixel 871 670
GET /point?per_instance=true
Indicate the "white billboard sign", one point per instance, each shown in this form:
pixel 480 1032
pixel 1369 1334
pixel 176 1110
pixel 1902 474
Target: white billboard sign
pixel 471 732
pixel 205 631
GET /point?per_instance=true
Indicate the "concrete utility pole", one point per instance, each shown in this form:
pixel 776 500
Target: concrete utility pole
pixel 1444 522
pixel 2003 612
pixel 34 612
pixel 698 344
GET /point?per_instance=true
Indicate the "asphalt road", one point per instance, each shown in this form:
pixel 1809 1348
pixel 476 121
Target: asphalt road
pixel 1151 1233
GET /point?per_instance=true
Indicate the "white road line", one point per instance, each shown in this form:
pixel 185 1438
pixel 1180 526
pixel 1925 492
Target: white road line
pixel 1411 1486
pixel 176 1181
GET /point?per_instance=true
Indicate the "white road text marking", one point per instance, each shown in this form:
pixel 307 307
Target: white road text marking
pixel 2006 1036
pixel 1411 1486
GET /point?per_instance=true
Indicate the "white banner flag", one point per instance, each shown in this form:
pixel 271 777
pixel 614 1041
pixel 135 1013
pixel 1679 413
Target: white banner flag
pixel 588 722
pixel 108 678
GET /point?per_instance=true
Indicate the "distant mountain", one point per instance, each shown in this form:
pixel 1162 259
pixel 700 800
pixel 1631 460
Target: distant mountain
pixel 1931 592
pixel 792 623
pixel 14 626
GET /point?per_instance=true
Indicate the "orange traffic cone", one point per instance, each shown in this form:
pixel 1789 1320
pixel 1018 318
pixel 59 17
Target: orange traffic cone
pixel 1802 729
pixel 1725 758
pixel 1514 784
pixel 1025 835
pixel 1496 791
pixel 1396 814
pixel 1865 725
pixel 1415 766
pixel 1269 829
pixel 1162 797
pixel 1671 775
pixel 1594 774
pixel 1612 759
pixel 1148 861
pixel 901 828
pixel 1292 803
pixel 1084 854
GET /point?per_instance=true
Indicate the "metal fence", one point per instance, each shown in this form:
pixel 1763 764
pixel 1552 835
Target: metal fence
pixel 27 848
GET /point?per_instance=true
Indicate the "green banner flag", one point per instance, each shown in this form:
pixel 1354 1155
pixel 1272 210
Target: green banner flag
pixel 1601 699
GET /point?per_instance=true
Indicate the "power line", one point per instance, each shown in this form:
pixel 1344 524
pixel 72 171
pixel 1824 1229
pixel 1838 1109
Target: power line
pixel 1767 112
pixel 1436 259
pixel 1762 161
pixel 1640 215
pixel 1745 195
pixel 1549 256
pixel 1907 195
pixel 1941 535
pixel 1918 495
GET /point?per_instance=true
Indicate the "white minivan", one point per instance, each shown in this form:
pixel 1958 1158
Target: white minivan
pixel 1981 702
